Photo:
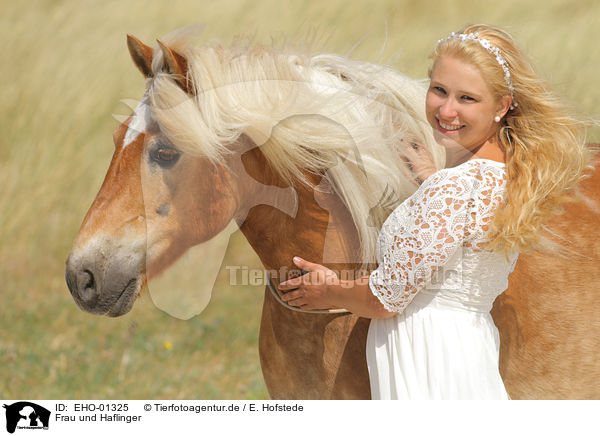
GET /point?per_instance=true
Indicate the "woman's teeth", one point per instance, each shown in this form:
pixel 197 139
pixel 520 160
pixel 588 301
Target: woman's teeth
pixel 449 126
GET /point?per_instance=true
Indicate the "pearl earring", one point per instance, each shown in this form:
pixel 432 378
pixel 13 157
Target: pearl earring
pixel 497 118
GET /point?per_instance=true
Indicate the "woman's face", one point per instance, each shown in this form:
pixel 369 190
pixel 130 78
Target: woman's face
pixel 460 106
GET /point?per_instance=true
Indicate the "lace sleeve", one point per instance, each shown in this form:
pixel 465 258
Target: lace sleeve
pixel 421 235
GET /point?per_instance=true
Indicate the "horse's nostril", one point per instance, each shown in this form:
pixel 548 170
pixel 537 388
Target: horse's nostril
pixel 81 282
pixel 86 285
pixel 91 283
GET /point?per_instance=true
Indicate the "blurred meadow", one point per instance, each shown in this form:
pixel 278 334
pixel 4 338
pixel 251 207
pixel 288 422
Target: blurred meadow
pixel 64 72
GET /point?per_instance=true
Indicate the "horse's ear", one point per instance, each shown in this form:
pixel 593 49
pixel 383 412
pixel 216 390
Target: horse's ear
pixel 176 65
pixel 141 55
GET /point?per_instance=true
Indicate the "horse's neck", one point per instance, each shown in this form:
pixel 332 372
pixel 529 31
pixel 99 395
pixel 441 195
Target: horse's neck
pixel 317 228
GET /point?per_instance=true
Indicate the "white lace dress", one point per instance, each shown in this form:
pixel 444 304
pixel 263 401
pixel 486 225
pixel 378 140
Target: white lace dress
pixel 433 271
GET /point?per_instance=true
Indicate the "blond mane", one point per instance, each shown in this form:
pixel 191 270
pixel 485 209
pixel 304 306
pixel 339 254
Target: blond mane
pixel 324 114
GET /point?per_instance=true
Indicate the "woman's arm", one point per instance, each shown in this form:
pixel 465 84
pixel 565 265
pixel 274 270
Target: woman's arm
pixel 430 229
pixel 321 288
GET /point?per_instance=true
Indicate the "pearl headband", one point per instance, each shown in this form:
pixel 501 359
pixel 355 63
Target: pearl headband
pixel 485 43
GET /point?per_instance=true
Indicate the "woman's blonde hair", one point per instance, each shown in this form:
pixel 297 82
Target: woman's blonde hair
pixel 543 142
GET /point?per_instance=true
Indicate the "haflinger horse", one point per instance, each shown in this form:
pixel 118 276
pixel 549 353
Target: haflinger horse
pixel 221 128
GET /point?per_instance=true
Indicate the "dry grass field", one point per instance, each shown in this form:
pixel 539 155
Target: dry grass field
pixel 64 71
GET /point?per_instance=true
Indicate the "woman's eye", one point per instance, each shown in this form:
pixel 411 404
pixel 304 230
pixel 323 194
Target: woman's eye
pixel 466 97
pixel 166 157
pixel 439 89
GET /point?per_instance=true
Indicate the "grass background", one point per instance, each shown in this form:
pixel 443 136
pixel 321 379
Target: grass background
pixel 64 70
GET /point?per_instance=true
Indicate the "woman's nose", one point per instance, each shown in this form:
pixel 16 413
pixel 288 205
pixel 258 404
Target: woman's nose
pixel 448 109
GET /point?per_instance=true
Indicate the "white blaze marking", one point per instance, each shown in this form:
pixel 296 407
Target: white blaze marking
pixel 140 121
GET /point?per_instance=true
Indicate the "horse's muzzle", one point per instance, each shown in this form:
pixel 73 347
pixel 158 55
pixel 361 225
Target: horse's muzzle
pixel 101 285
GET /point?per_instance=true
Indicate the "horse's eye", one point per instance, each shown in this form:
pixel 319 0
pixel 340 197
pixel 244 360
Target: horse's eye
pixel 166 157
pixel 166 154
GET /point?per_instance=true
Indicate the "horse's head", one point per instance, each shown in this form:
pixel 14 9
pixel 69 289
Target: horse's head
pixel 156 202
pixel 222 130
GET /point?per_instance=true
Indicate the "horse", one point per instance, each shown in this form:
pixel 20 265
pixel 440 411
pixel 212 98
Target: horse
pixel 221 128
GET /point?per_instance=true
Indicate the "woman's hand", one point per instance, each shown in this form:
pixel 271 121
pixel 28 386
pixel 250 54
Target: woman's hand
pixel 321 288
pixel 313 287
pixel 420 161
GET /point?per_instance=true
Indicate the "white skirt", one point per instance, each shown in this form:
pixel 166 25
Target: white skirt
pixel 435 350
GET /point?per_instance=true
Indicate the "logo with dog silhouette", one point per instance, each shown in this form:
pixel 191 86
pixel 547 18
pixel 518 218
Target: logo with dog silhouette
pixel 26 415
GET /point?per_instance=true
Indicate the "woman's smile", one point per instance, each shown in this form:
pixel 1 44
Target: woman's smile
pixel 448 127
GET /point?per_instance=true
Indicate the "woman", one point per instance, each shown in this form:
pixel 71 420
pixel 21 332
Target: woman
pixel 513 153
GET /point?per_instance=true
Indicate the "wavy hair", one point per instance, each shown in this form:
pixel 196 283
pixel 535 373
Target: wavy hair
pixel 543 140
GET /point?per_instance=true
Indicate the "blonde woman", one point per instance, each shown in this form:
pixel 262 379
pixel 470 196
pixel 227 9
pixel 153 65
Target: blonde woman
pixel 513 155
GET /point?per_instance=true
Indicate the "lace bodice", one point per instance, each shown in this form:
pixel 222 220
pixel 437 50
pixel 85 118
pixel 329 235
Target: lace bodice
pixel 433 242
